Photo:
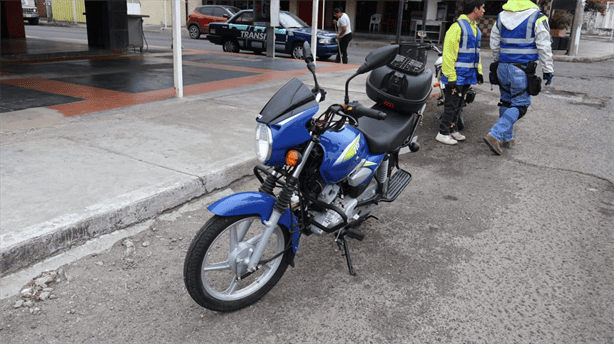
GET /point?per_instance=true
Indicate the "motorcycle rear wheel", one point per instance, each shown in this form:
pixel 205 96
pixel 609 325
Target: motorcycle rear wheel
pixel 214 261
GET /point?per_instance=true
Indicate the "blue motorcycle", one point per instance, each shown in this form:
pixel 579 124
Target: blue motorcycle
pixel 321 174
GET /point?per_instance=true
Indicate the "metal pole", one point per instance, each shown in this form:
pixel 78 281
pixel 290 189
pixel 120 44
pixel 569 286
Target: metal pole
pixel 426 9
pixel 576 29
pixel 177 59
pixel 323 12
pixel 314 29
pixel 74 9
pixel 400 21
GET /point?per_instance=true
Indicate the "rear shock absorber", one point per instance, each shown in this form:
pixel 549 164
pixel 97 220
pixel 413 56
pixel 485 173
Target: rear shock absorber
pixel 382 175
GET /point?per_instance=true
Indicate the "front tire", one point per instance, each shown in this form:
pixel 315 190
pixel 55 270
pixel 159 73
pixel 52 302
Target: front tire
pixel 297 51
pixel 33 21
pixel 230 46
pixel 324 57
pixel 194 32
pixel 216 257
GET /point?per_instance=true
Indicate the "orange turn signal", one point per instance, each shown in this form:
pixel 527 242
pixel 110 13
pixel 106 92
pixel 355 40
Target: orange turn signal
pixel 436 85
pixel 293 157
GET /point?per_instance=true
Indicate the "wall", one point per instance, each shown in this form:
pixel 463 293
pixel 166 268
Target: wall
pixel 159 11
pixel 64 10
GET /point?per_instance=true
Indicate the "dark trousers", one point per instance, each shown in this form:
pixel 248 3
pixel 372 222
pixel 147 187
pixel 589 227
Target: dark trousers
pixel 343 45
pixel 452 108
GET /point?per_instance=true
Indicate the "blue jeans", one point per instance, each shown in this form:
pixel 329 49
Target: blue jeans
pixel 513 81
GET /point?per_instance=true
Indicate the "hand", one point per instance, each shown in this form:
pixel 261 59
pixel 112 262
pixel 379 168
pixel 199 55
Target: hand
pixel 480 79
pixel 548 78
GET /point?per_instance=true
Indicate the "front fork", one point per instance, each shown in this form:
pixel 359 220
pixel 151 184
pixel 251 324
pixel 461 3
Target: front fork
pixel 281 204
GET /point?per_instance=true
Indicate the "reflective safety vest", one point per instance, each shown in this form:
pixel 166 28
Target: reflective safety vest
pixel 468 60
pixel 518 45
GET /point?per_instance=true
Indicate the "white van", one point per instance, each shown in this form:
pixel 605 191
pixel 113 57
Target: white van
pixel 29 11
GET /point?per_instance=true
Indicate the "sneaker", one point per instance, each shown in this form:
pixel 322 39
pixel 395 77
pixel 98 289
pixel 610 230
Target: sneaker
pixel 446 139
pixel 508 144
pixel 493 144
pixel 458 136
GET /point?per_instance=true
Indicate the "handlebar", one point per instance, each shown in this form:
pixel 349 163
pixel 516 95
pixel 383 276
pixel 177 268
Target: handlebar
pixel 358 110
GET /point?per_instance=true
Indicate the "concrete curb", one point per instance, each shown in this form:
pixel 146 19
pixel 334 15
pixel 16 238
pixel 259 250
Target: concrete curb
pixel 64 233
pixel 564 58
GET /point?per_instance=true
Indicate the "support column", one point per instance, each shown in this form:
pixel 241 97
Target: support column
pixel 350 9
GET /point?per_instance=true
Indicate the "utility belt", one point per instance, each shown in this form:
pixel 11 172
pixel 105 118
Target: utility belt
pixel 534 84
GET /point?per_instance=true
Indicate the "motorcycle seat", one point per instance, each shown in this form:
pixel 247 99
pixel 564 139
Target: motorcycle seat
pixel 389 134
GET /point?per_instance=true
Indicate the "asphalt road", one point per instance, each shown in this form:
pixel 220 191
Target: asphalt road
pixel 478 248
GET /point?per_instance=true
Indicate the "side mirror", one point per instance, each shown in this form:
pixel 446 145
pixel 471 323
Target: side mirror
pixel 226 16
pixel 307 52
pixel 378 58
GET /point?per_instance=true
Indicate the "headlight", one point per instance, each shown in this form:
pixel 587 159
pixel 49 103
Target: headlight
pixel 325 41
pixel 264 142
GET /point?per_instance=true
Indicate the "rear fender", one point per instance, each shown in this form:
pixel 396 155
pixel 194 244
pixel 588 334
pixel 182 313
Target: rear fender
pixel 245 203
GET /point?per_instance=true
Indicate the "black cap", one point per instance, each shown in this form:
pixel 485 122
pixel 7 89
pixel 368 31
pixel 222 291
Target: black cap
pixel 471 5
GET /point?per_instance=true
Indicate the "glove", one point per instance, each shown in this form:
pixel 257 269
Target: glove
pixel 548 78
pixel 480 79
pixel 452 86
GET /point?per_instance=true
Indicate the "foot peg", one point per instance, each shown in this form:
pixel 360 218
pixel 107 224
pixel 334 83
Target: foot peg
pixel 355 234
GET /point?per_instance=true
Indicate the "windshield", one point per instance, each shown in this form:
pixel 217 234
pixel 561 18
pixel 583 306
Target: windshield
pixel 289 20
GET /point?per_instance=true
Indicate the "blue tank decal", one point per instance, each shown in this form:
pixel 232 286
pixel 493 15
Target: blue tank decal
pixel 344 151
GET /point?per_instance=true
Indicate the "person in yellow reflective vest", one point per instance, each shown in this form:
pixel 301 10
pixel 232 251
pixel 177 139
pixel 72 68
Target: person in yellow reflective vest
pixel 461 68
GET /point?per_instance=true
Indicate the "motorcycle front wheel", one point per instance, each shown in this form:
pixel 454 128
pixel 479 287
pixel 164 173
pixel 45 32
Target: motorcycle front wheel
pixel 218 256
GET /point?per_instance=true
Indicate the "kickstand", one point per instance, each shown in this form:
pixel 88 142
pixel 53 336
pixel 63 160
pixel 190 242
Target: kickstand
pixel 342 241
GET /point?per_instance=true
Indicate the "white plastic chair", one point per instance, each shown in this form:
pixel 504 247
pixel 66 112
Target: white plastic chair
pixel 376 19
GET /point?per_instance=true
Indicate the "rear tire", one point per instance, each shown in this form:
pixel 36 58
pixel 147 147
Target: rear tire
pixel 214 261
pixel 194 32
pixel 230 46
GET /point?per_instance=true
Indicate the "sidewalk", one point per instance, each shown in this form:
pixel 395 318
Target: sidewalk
pixel 68 180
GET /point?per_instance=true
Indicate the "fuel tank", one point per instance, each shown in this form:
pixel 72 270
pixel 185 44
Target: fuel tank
pixel 346 151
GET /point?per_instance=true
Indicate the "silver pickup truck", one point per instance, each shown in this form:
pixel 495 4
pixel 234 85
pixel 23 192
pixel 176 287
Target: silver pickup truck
pixel 29 11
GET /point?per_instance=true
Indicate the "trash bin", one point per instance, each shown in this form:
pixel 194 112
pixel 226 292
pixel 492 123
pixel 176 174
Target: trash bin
pixel 135 30
pixel 49 11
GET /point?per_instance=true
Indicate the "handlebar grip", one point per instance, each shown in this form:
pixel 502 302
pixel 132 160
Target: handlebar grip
pixel 357 110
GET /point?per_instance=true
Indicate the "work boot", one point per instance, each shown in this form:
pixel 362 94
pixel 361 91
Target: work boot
pixel 493 144
pixel 508 144
pixel 458 136
pixel 446 139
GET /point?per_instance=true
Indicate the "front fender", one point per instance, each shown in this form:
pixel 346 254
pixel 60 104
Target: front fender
pixel 245 203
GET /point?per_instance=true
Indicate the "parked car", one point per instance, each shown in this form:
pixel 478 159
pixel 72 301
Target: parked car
pixel 241 33
pixel 29 11
pixel 199 20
